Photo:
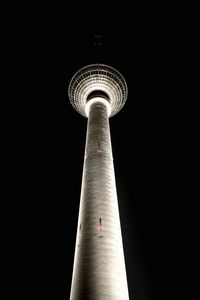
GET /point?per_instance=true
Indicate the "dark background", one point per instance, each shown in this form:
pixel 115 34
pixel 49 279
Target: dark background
pixel 49 45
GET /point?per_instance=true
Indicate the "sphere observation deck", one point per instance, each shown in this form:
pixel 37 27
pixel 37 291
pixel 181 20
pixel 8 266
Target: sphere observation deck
pixel 97 80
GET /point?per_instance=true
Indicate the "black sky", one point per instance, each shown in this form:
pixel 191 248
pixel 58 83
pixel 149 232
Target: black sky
pixel 49 141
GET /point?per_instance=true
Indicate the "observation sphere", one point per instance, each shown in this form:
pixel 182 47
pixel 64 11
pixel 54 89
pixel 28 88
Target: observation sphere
pixel 94 80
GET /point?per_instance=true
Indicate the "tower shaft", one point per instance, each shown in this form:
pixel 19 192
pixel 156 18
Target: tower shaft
pixel 99 269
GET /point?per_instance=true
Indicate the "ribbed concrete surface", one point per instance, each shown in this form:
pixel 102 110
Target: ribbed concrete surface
pixel 99 268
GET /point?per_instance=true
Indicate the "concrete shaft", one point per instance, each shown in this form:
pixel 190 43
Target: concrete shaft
pixel 99 269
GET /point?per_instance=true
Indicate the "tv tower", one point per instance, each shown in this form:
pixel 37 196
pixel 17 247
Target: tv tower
pixel 98 92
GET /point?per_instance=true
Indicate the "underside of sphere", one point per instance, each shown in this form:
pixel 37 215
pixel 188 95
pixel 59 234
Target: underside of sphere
pixel 97 80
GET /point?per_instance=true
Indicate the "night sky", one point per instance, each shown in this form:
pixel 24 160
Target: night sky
pixel 50 141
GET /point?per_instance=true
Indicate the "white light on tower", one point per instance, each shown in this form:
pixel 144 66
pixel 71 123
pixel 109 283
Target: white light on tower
pixel 98 92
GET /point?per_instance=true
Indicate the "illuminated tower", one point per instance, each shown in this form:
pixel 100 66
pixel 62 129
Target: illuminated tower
pixel 98 92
